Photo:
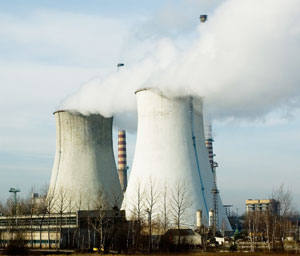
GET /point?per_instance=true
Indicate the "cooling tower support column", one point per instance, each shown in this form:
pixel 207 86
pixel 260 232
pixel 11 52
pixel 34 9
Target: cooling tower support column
pixel 122 159
pixel 84 174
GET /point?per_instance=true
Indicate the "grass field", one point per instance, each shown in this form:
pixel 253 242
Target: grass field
pixel 188 253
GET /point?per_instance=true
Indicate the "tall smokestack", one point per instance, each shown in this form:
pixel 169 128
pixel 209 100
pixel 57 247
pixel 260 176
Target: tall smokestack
pixel 84 169
pixel 122 159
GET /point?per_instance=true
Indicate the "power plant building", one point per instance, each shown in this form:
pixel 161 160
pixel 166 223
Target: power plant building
pixel 263 205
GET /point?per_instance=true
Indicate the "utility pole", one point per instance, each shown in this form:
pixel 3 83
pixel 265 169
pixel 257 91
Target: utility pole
pixel 15 191
pixel 203 18
pixel 120 65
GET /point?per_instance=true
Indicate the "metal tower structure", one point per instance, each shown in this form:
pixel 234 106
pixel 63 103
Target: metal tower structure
pixel 215 193
pixel 209 145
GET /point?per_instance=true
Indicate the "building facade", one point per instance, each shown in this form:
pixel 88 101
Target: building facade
pixel 264 205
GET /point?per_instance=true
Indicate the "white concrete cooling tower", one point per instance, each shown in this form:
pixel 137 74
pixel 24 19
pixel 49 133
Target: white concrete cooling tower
pixel 170 150
pixel 84 167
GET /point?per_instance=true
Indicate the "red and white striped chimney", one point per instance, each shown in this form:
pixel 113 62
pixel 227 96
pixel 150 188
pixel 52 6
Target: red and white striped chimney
pixel 122 159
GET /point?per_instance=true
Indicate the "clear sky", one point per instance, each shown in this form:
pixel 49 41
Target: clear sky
pixel 49 48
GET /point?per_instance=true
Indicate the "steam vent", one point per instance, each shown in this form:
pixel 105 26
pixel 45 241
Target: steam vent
pixel 170 153
pixel 84 168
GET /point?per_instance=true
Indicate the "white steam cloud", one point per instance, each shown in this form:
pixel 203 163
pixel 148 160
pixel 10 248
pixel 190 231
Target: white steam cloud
pixel 244 61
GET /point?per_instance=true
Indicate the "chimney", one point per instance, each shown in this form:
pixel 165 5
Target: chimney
pixel 122 159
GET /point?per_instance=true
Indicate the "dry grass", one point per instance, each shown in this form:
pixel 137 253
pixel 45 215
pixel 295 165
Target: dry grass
pixel 187 253
pixel 182 254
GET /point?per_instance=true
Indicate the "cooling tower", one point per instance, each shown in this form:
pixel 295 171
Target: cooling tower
pixel 84 168
pixel 170 150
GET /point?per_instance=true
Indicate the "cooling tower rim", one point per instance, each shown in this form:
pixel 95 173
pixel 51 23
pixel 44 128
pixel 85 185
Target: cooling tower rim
pixel 146 89
pixel 76 112
pixel 67 110
pixel 58 111
pixel 156 90
pixel 159 92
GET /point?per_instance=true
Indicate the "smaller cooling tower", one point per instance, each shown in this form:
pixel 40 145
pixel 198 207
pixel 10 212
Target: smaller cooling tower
pixel 122 159
pixel 84 173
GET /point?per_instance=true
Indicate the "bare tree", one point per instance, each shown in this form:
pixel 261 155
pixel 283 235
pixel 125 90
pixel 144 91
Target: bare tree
pixel 78 206
pixel 101 205
pixel 50 202
pixel 138 203
pixel 68 218
pixel 136 215
pixel 267 215
pixel 164 209
pixel 61 205
pixel 284 198
pixel 151 200
pixel 180 203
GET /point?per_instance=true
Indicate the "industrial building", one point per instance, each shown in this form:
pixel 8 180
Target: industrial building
pixel 262 205
pixel 81 229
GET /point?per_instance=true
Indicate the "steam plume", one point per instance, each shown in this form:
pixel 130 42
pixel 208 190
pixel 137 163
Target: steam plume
pixel 244 61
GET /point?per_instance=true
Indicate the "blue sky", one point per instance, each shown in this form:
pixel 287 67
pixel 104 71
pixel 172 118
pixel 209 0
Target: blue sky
pixel 48 49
